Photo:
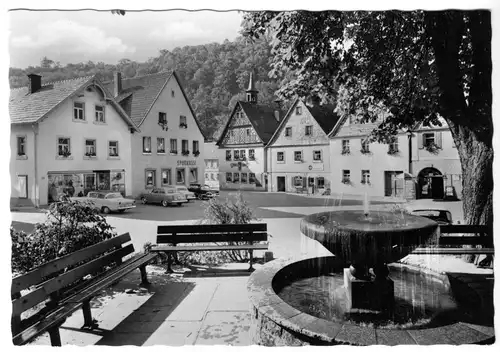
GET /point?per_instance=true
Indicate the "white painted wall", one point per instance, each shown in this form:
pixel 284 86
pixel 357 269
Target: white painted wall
pixel 174 107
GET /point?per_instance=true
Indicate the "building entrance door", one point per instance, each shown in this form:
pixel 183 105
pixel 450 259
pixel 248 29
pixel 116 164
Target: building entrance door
pixel 280 180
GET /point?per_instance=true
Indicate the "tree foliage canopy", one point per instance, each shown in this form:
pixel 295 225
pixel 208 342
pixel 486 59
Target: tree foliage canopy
pixel 414 65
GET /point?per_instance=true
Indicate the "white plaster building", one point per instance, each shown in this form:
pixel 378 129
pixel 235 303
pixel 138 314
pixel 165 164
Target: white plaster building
pixel 67 137
pixel 298 152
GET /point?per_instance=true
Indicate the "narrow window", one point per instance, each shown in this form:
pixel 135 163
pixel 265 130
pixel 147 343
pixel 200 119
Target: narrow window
pixel 309 130
pixel 297 156
pixel 99 114
pixel 251 154
pixel 288 132
pixel 173 146
pixel 146 144
pixel 317 155
pixel 21 146
pixel 280 156
pixel 113 148
pixel 79 111
pixel 160 145
pixel 63 147
pixel 150 178
pixel 90 147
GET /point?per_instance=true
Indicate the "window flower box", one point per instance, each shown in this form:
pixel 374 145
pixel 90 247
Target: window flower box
pixel 393 151
pixel 365 182
pixel 185 152
pixel 196 153
pixel 163 125
pixel 251 158
pixel 365 151
pixel 432 148
pixel 65 153
pixel 183 125
pixel 346 181
pixel 173 152
pixel 346 152
pixel 90 155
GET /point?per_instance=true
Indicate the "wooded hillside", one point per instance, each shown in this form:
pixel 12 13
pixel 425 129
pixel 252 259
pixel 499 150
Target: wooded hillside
pixel 213 75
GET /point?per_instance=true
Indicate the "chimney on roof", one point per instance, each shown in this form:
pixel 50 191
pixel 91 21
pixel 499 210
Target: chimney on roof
pixel 117 83
pixel 251 91
pixel 277 110
pixel 314 100
pixel 35 82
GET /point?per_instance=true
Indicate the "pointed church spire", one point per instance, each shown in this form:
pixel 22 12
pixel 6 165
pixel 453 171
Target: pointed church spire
pixel 251 91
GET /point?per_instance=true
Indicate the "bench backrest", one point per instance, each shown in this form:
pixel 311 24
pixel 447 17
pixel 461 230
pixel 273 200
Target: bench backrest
pixel 46 286
pixel 211 233
pixel 484 235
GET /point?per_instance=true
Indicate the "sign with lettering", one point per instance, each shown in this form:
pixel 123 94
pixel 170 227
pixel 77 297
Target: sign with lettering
pixel 186 162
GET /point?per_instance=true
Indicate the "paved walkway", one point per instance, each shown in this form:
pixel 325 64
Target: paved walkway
pixel 209 308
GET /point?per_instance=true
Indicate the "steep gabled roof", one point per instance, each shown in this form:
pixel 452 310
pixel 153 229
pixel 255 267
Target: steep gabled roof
pixel 323 114
pixel 142 92
pixel 261 117
pixel 139 94
pixel 31 108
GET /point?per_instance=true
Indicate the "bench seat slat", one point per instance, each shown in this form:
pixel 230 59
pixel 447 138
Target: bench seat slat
pixel 40 294
pixel 453 251
pixel 163 248
pixel 483 229
pixel 465 240
pixel 168 229
pixel 37 275
pixel 212 237
pixel 73 303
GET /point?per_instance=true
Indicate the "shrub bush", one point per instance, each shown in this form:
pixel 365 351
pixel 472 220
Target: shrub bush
pixel 227 211
pixel 69 226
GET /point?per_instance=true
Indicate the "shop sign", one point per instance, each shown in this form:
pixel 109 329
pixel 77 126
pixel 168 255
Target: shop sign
pixel 186 162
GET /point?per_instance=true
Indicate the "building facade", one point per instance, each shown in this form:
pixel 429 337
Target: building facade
pixel 436 163
pixel 67 137
pixel 242 156
pixel 169 149
pixel 298 152
pixel 376 169
pixel 211 165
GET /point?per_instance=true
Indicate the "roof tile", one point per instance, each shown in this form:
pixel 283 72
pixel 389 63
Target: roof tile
pixel 29 108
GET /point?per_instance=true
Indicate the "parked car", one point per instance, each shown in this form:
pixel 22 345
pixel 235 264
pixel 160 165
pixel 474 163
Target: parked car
pixel 108 201
pixel 203 191
pixel 441 216
pixel 183 190
pixel 164 195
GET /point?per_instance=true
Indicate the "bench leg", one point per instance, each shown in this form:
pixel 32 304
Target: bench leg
pixel 169 263
pixel 88 322
pixel 55 337
pixel 144 275
pixel 251 261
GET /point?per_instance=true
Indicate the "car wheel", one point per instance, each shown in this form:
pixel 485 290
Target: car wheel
pixel 144 200
pixel 164 203
pixel 106 210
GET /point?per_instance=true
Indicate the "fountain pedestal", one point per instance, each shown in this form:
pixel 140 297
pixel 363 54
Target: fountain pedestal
pixel 368 296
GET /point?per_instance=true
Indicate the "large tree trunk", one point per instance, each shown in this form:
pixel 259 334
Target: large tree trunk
pixel 468 112
pixel 470 119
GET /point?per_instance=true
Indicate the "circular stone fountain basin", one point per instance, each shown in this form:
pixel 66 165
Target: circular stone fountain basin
pixel 379 237
pixel 275 322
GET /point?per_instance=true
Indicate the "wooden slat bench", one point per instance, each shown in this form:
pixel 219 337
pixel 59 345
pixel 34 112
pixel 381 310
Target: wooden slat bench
pixel 481 235
pixel 59 286
pixel 169 238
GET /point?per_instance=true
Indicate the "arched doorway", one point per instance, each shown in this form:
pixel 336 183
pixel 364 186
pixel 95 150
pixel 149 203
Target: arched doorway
pixel 430 183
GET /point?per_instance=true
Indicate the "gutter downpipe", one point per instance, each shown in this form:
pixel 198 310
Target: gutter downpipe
pixel 35 144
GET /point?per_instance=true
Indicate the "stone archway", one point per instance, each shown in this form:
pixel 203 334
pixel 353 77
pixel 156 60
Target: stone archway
pixel 430 183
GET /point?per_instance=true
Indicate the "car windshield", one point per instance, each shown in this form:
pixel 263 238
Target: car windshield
pixel 182 188
pixel 113 195
pixel 205 188
pixel 170 191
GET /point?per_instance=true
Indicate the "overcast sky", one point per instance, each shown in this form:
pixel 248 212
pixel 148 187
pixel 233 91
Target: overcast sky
pixel 72 37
